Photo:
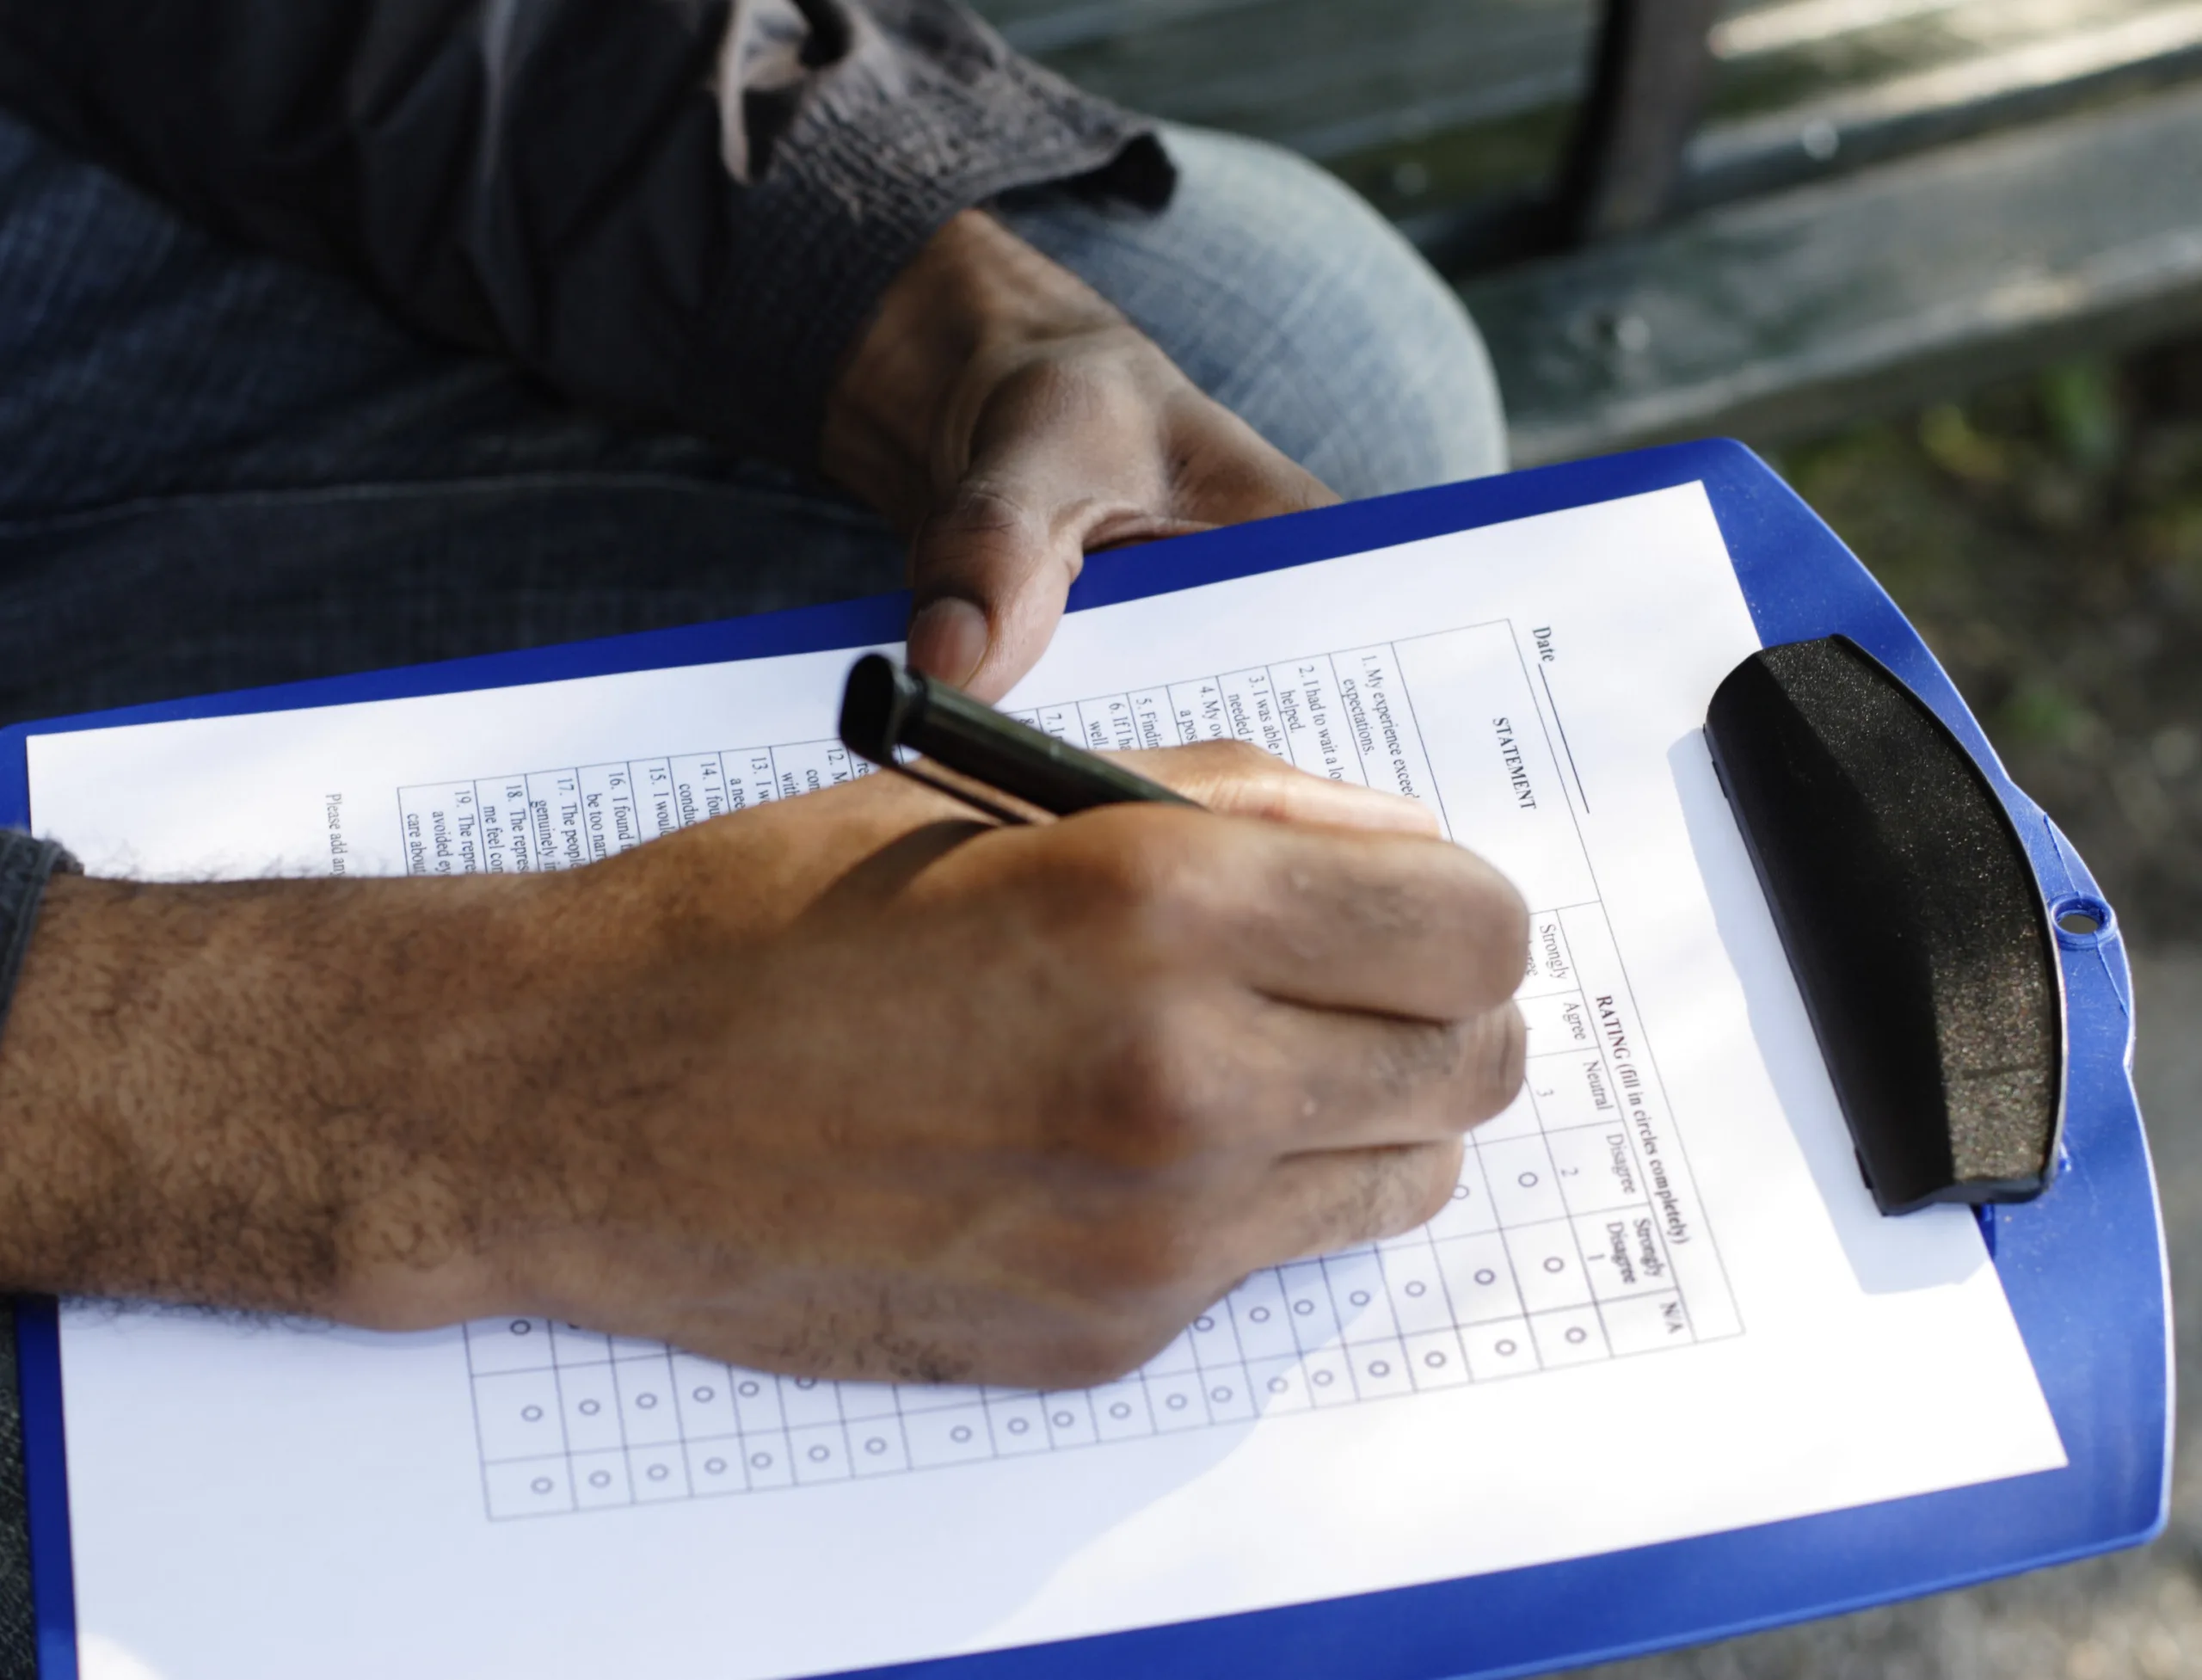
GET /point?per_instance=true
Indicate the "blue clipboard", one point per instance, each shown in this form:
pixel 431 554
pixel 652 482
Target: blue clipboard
pixel 2083 1266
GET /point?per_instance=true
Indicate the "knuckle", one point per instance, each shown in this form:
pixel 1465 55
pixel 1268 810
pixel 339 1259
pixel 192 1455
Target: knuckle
pixel 1406 1188
pixel 1498 949
pixel 1158 1110
pixel 1381 1195
pixel 1410 1056
pixel 1513 1051
pixel 1128 866
pixel 1102 387
pixel 1061 383
pixel 1239 758
pixel 1458 1073
pixel 976 506
pixel 1234 775
pixel 1430 1188
pixel 981 527
pixel 1473 922
pixel 1494 1054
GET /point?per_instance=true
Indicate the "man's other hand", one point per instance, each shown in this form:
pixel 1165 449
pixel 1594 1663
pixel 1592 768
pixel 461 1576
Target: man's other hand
pixel 847 1085
pixel 1013 421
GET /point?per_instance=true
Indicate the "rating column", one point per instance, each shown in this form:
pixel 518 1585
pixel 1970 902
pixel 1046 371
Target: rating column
pixel 1609 1241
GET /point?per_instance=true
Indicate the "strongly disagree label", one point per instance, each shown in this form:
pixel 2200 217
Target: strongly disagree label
pixel 1574 1235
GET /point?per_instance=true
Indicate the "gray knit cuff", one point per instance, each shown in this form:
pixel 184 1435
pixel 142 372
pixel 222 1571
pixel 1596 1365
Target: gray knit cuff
pixel 25 865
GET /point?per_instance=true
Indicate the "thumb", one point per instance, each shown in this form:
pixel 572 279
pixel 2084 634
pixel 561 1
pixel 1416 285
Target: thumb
pixel 1068 454
pixel 989 574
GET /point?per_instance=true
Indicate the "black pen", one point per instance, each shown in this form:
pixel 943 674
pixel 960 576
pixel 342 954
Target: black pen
pixel 886 708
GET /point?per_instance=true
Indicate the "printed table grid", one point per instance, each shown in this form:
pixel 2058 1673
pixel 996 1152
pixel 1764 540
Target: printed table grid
pixel 1557 1248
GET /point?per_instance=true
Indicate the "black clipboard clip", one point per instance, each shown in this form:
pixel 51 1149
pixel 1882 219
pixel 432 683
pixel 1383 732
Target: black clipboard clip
pixel 1912 916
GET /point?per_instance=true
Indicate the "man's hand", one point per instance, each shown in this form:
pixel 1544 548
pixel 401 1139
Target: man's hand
pixel 1011 420
pixel 847 1085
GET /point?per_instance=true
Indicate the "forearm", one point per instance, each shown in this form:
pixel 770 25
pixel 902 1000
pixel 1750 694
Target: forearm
pixel 360 1099
pixel 241 1094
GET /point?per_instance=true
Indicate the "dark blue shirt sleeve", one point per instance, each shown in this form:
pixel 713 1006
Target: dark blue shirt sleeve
pixel 26 865
pixel 686 210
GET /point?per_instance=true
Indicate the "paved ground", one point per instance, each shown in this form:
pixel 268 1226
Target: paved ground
pixel 2047 536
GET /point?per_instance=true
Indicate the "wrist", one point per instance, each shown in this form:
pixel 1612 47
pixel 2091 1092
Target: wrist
pixel 898 420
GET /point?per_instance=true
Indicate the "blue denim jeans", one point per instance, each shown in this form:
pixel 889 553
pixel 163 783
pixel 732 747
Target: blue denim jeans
pixel 219 470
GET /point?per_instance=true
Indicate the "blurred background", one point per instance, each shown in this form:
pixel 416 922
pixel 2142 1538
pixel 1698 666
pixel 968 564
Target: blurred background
pixel 1940 260
pixel 2045 535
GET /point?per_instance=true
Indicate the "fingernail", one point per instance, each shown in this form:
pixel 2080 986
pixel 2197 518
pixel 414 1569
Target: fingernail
pixel 947 638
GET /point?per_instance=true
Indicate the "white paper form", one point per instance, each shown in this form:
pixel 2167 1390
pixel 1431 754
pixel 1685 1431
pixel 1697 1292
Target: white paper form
pixel 1660 1303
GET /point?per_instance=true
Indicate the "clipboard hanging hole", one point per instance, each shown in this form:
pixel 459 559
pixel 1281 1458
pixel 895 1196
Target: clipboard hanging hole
pixel 2082 921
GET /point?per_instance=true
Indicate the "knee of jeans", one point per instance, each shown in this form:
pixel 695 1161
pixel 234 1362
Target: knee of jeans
pixel 1286 297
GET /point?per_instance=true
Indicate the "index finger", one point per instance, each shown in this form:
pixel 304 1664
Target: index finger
pixel 1331 918
pixel 1238 778
pixel 1386 924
